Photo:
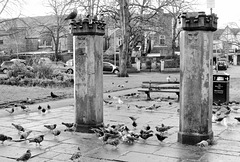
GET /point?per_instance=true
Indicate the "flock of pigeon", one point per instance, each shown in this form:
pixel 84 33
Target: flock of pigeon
pixel 114 134
pixel 24 134
pixel 25 108
pixel 221 113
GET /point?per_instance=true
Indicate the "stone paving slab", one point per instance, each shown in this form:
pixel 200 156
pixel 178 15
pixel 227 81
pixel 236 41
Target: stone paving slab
pixel 55 149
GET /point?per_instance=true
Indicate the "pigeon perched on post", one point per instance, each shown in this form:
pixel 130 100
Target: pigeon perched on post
pixel 26 156
pixel 72 15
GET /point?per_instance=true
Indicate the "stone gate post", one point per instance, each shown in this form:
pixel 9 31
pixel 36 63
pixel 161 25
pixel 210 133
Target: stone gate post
pixel 196 91
pixel 88 72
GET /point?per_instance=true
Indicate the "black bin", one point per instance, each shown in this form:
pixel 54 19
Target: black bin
pixel 221 88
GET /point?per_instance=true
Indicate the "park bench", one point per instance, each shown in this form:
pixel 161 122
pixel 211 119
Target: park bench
pixel 165 87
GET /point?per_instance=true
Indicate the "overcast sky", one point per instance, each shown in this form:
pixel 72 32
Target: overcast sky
pixel 227 10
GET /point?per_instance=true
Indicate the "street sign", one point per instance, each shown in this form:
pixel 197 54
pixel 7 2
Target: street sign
pixel 210 3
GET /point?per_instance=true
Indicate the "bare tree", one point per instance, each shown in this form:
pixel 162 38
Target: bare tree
pixel 10 8
pixel 133 17
pixel 58 27
pixel 174 9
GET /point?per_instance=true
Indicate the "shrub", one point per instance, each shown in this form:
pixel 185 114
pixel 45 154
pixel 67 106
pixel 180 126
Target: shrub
pixel 43 71
pixel 18 68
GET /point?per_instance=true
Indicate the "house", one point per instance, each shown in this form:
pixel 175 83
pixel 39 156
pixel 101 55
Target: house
pixel 226 43
pixel 30 35
pixel 156 40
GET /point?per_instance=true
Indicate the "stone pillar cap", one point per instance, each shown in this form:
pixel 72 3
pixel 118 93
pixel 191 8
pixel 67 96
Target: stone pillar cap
pixel 192 21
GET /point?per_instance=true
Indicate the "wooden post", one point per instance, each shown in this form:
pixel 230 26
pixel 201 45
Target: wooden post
pixel 196 44
pixel 88 73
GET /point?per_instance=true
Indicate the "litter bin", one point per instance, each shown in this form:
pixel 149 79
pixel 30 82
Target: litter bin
pixel 221 88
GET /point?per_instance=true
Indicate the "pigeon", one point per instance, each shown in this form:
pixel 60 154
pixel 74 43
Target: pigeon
pixel 54 95
pixel 18 127
pixel 114 142
pixel 203 143
pixel 76 155
pixel 98 132
pixel 29 101
pixel 235 108
pixel 50 126
pixel 43 110
pixel 72 15
pixel 107 102
pixel 139 107
pixel 37 139
pixel 160 137
pixel 129 138
pixel 219 119
pixel 68 125
pixel 145 135
pixel 4 138
pixel 169 78
pixel 152 107
pixel 120 101
pixel 163 128
pixel 56 132
pixel 10 111
pixel 24 108
pixel 237 118
pixel 147 127
pixel 48 107
pixel 39 107
pixel 133 118
pixel 228 123
pixel 24 135
pixel 26 156
pixel 134 124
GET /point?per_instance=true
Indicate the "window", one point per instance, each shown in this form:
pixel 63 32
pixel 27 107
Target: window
pixel 162 39
pixel 1 41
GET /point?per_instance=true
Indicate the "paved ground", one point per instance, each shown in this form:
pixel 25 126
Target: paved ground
pixel 55 149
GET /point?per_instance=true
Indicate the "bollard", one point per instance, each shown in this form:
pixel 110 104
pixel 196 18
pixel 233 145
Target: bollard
pixel 88 72
pixel 196 41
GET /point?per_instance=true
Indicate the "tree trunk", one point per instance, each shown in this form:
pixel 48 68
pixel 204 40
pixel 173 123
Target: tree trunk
pixel 56 50
pixel 174 37
pixel 124 47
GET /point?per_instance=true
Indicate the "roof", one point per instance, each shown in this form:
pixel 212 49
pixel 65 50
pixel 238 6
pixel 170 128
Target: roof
pixel 33 25
pixel 217 34
pixel 235 30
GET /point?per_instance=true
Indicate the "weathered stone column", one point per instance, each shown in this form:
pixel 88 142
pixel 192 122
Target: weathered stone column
pixel 196 91
pixel 88 75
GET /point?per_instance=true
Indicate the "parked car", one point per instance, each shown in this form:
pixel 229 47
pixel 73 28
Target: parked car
pixel 19 60
pixel 221 65
pixel 107 67
pixel 110 68
pixel 60 66
pixel 7 65
pixel 69 62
